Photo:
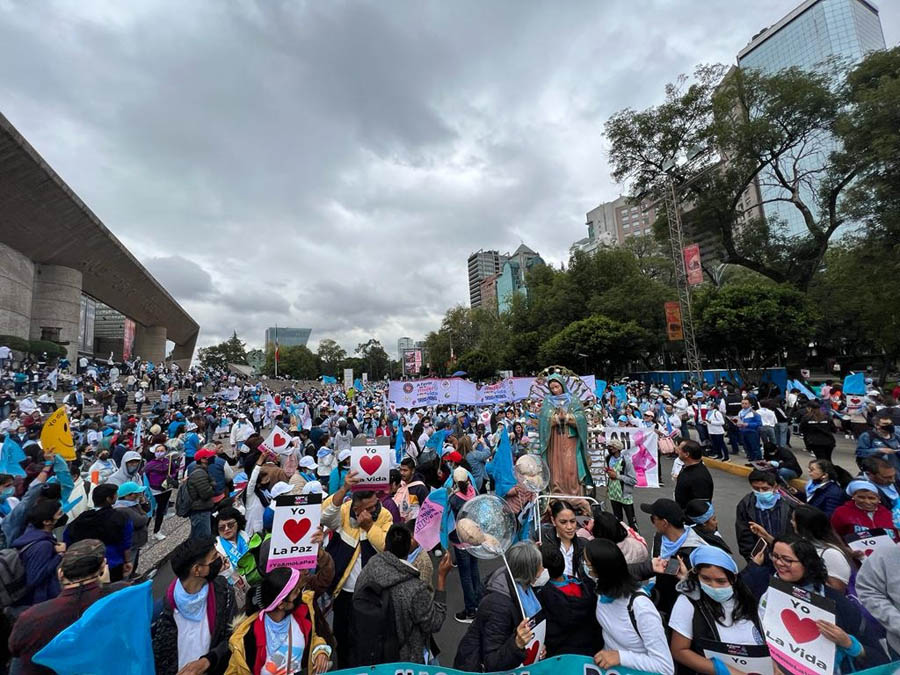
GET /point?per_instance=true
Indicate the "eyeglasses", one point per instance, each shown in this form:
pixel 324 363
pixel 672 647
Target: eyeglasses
pixel 227 524
pixel 777 557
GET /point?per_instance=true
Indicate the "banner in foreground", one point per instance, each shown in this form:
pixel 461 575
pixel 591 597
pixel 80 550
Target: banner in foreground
pixel 457 391
pixel 570 664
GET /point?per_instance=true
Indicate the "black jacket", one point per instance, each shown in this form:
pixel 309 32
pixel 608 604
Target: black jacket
pixel 694 482
pixel 164 631
pixel 817 433
pixel 785 458
pixel 746 512
pixel 498 616
pixel 572 626
pixel 548 533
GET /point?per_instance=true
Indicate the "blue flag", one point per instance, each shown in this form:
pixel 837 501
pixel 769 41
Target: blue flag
pixel 357 384
pixel 855 384
pixel 501 468
pixel 599 388
pixel 436 441
pixel 328 379
pixel 400 443
pixel 90 646
pixel 149 493
pixel 62 476
pixel 10 455
pixel 621 394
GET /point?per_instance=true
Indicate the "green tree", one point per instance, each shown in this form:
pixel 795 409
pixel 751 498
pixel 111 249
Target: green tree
pixel 376 361
pixel 739 129
pixel 296 362
pixel 748 326
pixel 608 345
pixel 233 350
pixel 330 354
pixel 478 364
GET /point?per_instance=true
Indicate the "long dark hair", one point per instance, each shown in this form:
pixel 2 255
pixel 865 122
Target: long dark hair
pixel 746 605
pixel 607 526
pixel 813 524
pixel 814 569
pixel 608 562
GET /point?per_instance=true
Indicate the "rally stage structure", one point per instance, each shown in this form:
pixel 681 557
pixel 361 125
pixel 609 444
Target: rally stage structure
pixel 59 263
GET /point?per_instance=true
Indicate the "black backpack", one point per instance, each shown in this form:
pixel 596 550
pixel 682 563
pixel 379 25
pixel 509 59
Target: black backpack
pixel 373 627
pixel 183 500
pixel 13 580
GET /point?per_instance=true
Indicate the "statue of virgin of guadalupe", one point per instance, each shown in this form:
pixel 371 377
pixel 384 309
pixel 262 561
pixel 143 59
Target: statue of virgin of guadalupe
pixel 563 438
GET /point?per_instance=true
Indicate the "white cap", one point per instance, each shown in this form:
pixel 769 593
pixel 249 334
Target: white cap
pixel 280 488
pixel 460 474
pixel 312 487
pixel 307 462
pixel 343 454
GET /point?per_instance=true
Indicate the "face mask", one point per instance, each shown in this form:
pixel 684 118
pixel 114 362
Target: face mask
pixel 214 568
pixel 765 500
pixel 160 455
pixel 720 595
pixel 587 571
pixel 131 471
pixel 889 429
pixel 542 579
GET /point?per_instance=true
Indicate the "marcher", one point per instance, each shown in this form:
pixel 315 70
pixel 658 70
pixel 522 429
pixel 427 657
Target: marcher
pixel 621 481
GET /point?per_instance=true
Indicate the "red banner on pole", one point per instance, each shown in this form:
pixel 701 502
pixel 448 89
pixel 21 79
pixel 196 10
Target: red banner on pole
pixel 692 264
pixel 673 321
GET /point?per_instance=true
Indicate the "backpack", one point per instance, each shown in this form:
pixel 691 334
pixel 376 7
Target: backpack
pixel 13 579
pixel 401 499
pixel 373 627
pixel 631 616
pixel 183 500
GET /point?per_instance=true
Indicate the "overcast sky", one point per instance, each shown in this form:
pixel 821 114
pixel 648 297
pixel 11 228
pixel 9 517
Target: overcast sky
pixel 331 164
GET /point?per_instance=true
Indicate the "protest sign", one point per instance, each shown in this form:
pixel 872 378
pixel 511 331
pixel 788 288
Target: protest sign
pixel 869 541
pixel 568 664
pixel 297 519
pixel 792 635
pixel 533 648
pixel 428 524
pixel 278 441
pixel 348 378
pixel 370 458
pixel 742 658
pixel 642 447
pixel 56 437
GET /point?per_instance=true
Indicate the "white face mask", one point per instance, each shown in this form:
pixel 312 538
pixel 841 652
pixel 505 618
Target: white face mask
pixel 542 578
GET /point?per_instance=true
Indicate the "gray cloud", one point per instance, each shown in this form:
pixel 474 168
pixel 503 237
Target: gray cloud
pixel 331 165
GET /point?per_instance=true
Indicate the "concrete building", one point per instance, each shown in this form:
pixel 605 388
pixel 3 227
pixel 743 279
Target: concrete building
pixel 512 276
pixel 807 37
pixel 611 223
pixel 481 265
pixel 405 344
pixel 57 261
pixel 287 337
pixel 489 293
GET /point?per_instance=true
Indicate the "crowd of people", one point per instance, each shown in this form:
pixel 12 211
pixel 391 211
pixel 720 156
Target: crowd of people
pixel 74 532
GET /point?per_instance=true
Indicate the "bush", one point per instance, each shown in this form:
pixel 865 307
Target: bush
pixel 15 343
pixel 37 347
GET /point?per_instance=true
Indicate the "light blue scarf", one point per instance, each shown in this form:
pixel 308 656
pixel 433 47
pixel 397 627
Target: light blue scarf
pixel 669 548
pixel 530 604
pixel 192 606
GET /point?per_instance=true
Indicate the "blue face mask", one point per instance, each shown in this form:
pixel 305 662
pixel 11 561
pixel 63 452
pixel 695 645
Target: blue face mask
pixel 587 571
pixel 765 500
pixel 720 595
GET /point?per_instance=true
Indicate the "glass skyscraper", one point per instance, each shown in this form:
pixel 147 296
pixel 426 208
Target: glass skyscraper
pixel 807 37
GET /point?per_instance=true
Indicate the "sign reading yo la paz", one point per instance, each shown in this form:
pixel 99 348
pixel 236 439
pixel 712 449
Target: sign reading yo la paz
pixel 297 518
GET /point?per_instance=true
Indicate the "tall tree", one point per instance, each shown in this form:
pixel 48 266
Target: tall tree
pixel 597 343
pixel 376 360
pixel 233 350
pixel 738 129
pixel 330 355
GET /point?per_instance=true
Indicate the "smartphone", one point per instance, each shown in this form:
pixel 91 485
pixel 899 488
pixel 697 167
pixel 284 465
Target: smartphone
pixel 672 566
pixel 761 546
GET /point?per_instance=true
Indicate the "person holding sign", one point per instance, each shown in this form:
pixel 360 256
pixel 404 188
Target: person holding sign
pixel 797 562
pixel 360 526
pixel 715 617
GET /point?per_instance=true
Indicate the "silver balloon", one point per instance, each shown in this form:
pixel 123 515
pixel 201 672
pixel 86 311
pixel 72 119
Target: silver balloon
pixel 532 473
pixel 487 525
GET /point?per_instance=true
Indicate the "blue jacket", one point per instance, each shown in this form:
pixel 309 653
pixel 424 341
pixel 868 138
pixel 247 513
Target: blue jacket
pixel 40 560
pixel 828 497
pixel 14 524
pixel 476 460
pixel 191 444
pixel 336 479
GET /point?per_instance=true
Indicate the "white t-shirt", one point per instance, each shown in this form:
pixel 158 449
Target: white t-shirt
pixel 193 638
pixel 715 422
pixel 649 650
pixel 742 632
pixel 835 563
pixel 277 645
pixel 350 584
pixel 767 416
pixel 5 352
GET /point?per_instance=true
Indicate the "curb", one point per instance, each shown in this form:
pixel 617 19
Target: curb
pixel 741 470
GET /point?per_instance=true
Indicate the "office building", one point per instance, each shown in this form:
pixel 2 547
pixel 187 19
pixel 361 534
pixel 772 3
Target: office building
pixel 287 337
pixel 512 277
pixel 481 265
pixel 611 223
pixel 404 344
pixel 807 37
pixel 489 293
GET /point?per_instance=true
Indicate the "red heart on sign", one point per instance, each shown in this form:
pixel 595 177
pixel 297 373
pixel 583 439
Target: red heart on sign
pixel 531 653
pixel 802 630
pixel 370 464
pixel 295 529
pixel 279 440
pixel 869 551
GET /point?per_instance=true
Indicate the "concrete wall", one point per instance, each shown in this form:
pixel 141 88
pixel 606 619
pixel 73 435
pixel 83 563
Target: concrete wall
pixel 150 343
pixel 56 303
pixel 16 283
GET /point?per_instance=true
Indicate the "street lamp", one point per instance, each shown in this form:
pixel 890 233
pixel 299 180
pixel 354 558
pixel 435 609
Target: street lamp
pixel 585 357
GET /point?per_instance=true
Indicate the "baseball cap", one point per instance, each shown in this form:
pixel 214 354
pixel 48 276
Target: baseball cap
pixel 453 457
pixel 307 462
pixel 312 487
pixel 83 559
pixel 343 455
pixel 667 509
pixel 460 474
pixel 129 488
pixel 204 453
